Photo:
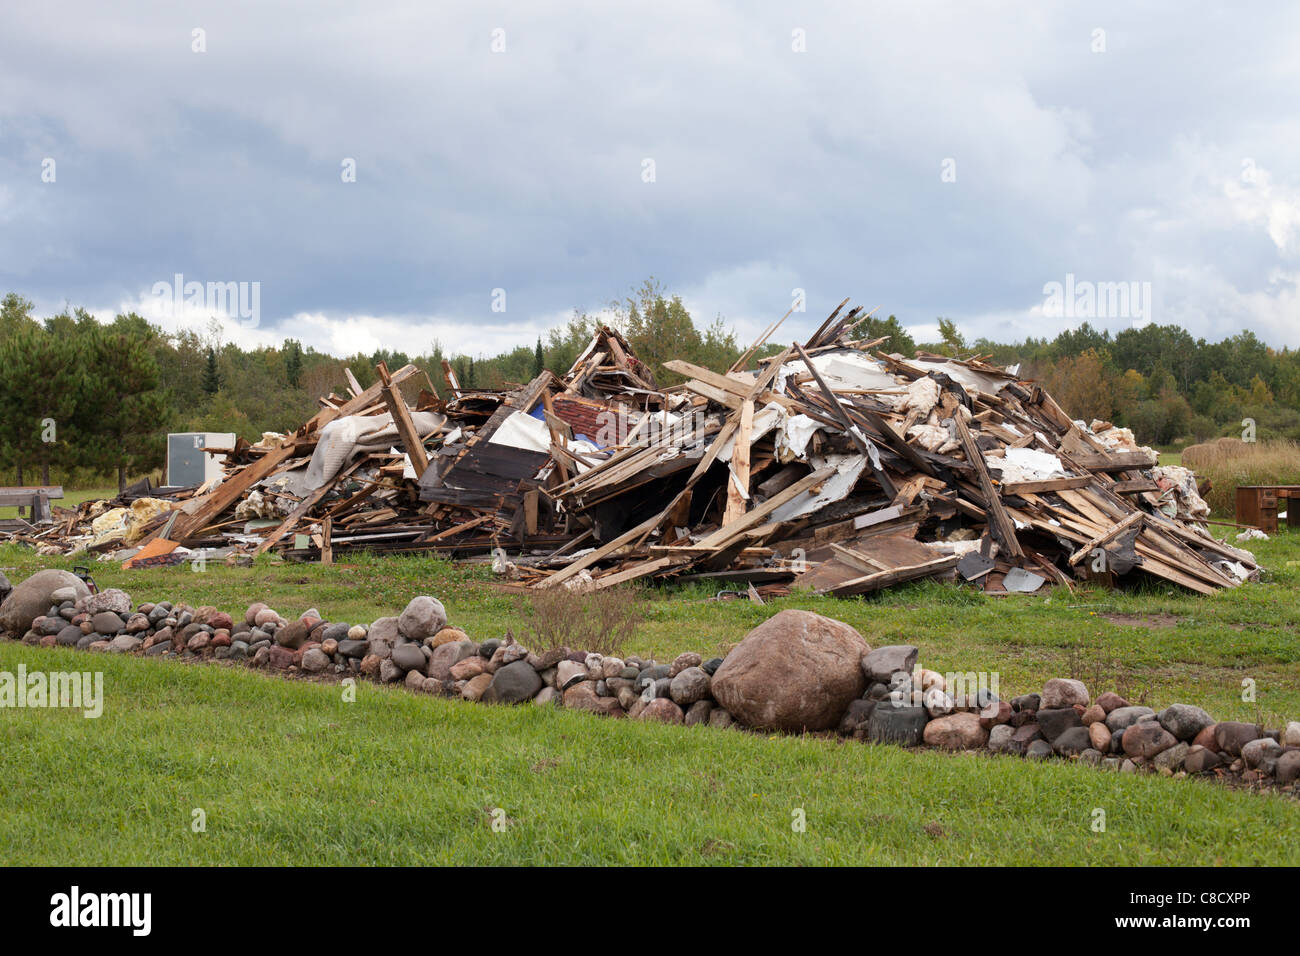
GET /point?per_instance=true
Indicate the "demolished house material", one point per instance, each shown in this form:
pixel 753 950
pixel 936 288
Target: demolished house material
pixel 830 465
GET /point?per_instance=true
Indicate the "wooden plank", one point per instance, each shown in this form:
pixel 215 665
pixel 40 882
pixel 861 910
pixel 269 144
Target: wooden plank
pixel 999 522
pixel 1116 461
pixel 1106 537
pixel 883 579
pixel 1049 484
pixel 327 540
pixel 738 479
pixel 410 438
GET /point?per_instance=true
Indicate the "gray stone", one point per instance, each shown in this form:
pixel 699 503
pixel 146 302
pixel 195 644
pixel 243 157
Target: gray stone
pixel 1064 692
pixel 1000 739
pixel 689 686
pixel 1262 754
pixel 514 683
pixel 856 716
pixel 1039 750
pixel 314 660
pixel 337 632
pixel 353 648
pixel 1054 721
pixel 1172 758
pixel 423 617
pixel 698 713
pixel 1184 721
pixel 409 657
pixel 1026 702
pixel 1090 757
pixel 110 599
pixel 68 636
pixel 107 623
pixel 1121 718
pixel 904 726
pixel 32 598
pixel 124 643
pixel 884 662
pixel 720 718
pixel 1072 742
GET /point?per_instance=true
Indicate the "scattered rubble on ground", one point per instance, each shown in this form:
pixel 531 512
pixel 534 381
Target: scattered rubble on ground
pixel 829 466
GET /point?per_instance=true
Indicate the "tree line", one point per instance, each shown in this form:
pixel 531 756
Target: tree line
pixel 85 400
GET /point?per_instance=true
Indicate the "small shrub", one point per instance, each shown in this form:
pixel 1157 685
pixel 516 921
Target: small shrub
pixel 598 621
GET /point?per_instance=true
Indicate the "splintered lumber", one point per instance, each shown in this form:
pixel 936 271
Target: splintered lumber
pixel 1105 538
pixel 1004 530
pixel 411 442
pixel 738 485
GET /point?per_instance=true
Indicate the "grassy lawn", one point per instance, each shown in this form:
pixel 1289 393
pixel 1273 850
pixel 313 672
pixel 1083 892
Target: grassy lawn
pixel 288 773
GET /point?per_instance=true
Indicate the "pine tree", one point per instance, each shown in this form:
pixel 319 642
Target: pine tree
pixel 125 423
pixel 212 374
pixel 40 390
pixel 539 358
pixel 293 362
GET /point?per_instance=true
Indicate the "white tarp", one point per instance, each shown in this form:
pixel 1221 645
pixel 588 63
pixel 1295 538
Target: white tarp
pixel 342 438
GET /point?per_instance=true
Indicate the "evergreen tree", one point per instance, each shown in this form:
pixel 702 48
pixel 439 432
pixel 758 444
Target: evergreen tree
pixel 41 388
pixel 539 358
pixel 293 362
pixel 211 373
pixel 123 424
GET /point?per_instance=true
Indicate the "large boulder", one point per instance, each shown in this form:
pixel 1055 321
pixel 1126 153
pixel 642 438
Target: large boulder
pixel 795 671
pixel 33 597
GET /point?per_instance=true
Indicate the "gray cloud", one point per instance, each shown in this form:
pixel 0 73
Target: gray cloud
pixel 1164 159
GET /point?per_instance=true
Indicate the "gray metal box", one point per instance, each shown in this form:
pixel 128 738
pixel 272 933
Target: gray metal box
pixel 187 462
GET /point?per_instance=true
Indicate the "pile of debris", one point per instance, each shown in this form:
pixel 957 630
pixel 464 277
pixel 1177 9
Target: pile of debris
pixel 829 465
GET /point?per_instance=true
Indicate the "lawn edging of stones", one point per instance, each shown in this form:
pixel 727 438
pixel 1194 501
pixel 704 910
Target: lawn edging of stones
pixel 797 672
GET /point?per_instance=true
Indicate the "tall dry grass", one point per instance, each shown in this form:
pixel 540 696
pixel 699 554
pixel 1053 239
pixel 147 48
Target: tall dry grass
pixel 1231 462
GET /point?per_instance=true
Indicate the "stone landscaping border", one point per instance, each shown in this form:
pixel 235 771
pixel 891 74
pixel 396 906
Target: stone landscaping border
pixel 796 672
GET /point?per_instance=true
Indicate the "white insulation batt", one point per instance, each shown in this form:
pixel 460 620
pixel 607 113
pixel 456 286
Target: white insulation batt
pixel 844 371
pixel 1027 464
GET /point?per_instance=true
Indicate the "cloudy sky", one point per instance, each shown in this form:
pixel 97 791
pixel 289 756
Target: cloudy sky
pixel 930 159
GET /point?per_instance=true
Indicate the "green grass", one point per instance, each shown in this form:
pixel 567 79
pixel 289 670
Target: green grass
pixel 288 773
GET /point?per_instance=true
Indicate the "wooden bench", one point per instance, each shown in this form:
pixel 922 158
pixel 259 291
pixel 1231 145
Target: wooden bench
pixel 37 498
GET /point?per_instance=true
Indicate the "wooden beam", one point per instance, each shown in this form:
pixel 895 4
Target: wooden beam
pixel 999 523
pixel 402 419
pixel 738 479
